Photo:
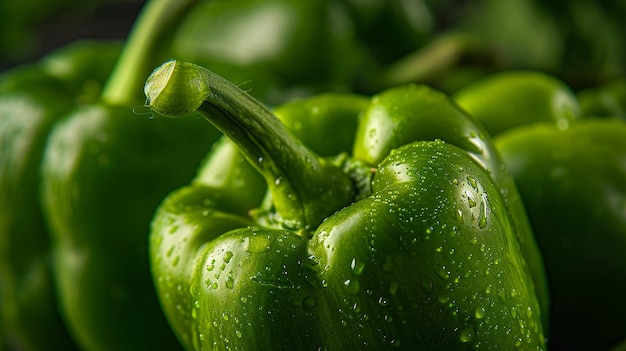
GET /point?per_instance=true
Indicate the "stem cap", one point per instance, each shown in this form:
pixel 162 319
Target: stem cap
pixel 164 86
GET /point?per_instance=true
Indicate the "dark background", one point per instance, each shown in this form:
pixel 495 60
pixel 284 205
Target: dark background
pixel 31 28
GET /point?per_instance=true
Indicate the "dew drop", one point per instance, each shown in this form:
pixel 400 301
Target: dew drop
pixel 479 313
pixel 459 215
pixel 393 287
pixel 502 295
pixel 383 301
pixel 470 201
pixel 529 312
pixel 309 302
pixel 353 286
pixel 230 282
pixel 443 272
pixel 228 255
pixel 210 266
pixel 467 334
pixel 472 182
pixel 482 215
pixel 357 266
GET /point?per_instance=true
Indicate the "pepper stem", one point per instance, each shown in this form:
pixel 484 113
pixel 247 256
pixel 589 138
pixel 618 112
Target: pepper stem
pixel 424 64
pixel 305 189
pixel 153 24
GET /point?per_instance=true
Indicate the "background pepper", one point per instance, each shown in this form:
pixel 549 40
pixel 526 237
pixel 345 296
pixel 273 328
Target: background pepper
pixel 509 99
pixel 571 178
pixel 275 49
pixel 104 170
pixel 32 98
pixel 604 100
pixel 381 271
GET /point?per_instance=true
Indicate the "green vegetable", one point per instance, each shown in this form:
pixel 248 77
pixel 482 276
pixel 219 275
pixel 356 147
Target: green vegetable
pixel 573 183
pixel 410 23
pixel 32 98
pixel 274 48
pixel 105 169
pixel 408 242
pixel 509 99
pixel 604 100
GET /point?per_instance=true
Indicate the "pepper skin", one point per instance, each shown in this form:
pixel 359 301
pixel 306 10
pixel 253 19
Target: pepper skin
pixel 32 98
pixel 604 100
pixel 570 172
pixel 508 99
pixel 573 183
pixel 274 48
pixel 417 252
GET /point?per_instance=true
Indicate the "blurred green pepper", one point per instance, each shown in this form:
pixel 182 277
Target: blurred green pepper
pixel 274 49
pixel 573 183
pixel 391 29
pixel 509 99
pixel 32 98
pixel 604 100
pixel 18 22
pixel 104 170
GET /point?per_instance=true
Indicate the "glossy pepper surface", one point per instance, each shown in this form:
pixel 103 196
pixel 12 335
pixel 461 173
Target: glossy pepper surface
pixel 32 98
pixel 570 169
pixel 415 249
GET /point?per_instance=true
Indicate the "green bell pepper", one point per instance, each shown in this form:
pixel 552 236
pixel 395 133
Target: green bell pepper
pixel 509 99
pixel 570 173
pixel 32 98
pixel 104 170
pixel 411 24
pixel 274 48
pixel 573 183
pixel 604 100
pixel 409 242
